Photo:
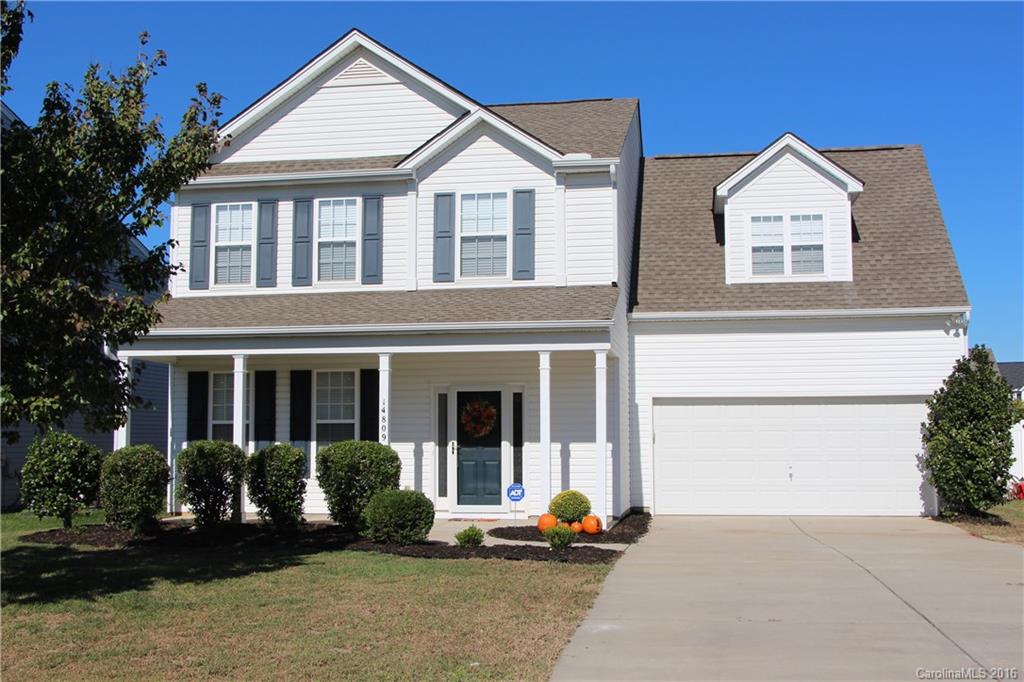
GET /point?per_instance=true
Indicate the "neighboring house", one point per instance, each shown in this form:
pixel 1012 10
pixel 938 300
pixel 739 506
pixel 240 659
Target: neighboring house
pixel 512 293
pixel 147 425
pixel 1013 372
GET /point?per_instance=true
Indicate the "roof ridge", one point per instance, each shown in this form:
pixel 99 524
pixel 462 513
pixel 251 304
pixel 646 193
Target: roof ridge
pixel 563 101
pixel 825 150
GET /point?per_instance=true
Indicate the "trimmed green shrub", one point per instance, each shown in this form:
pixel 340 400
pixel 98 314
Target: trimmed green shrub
pixel 209 475
pixel 569 505
pixel 61 476
pixel 133 487
pixel 274 479
pixel 353 471
pixel 469 537
pixel 968 435
pixel 560 537
pixel 403 517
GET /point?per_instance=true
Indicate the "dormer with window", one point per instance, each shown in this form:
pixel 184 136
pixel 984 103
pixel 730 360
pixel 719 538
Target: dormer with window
pixel 787 216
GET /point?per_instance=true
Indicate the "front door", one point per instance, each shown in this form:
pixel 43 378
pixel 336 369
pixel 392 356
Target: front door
pixel 478 467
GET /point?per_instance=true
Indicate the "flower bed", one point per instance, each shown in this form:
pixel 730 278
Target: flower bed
pixel 627 531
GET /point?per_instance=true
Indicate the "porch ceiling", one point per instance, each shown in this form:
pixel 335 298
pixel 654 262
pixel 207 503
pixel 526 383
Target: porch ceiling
pixel 390 308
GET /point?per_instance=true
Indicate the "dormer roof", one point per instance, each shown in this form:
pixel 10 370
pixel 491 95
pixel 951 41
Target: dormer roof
pixel 791 144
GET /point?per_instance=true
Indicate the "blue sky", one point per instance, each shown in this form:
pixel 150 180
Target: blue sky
pixel 710 77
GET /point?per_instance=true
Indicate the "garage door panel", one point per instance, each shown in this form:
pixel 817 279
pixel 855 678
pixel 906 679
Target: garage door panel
pixel 792 456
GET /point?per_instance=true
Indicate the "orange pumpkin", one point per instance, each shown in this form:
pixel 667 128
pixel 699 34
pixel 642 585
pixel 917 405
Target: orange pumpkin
pixel 564 524
pixel 592 525
pixel 576 526
pixel 546 521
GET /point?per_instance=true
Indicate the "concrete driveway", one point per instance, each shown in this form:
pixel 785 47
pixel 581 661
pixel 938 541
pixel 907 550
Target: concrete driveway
pixel 774 598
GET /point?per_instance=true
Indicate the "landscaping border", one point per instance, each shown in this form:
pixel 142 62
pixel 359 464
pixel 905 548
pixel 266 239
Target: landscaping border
pixel 630 529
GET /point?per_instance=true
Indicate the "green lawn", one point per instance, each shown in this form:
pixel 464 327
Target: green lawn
pixel 276 612
pixel 1011 531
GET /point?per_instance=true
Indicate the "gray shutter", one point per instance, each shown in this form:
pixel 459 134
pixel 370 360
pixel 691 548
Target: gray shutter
pixel 444 237
pixel 199 248
pixel 373 240
pixel 523 213
pixel 302 243
pixel 266 245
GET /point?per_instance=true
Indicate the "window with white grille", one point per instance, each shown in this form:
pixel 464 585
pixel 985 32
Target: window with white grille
pixel 232 253
pixel 337 234
pixel 790 244
pixel 483 230
pixel 335 402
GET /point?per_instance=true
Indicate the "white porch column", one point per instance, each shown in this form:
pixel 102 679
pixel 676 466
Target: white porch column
pixel 384 400
pixel 238 434
pixel 545 428
pixel 600 502
pixel 121 432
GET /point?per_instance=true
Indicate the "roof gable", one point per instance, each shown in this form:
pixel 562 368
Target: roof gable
pixel 787 145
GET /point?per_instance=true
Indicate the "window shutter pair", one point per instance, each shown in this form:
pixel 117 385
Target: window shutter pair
pixel 523 235
pixel 373 242
pixel 266 246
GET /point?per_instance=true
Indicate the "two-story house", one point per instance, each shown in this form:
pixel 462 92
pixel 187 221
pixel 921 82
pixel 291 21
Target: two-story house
pixel 512 293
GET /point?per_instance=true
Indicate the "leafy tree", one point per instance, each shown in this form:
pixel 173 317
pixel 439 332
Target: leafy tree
pixel 968 435
pixel 61 476
pixel 78 188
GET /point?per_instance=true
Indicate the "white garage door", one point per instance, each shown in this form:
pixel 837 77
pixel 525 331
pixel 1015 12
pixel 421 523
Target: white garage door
pixel 813 456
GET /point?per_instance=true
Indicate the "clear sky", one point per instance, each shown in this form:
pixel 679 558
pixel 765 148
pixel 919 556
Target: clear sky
pixel 710 77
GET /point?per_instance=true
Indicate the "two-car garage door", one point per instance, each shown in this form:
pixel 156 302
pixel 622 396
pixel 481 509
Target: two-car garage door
pixel 789 456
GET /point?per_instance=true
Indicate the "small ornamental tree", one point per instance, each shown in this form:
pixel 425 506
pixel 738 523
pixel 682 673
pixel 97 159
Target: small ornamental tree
pixel 61 476
pixel 968 441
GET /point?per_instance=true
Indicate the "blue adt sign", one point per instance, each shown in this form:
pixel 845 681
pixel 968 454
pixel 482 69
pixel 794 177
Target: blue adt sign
pixel 516 492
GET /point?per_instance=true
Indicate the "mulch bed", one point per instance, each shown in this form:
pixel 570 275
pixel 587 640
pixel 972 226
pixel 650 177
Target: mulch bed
pixel 627 531
pixel 181 535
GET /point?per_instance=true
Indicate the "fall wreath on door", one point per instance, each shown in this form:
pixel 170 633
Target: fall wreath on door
pixel 478 417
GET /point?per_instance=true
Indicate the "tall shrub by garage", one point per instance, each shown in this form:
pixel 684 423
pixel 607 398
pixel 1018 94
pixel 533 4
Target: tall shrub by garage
pixel 276 484
pixel 968 435
pixel 353 471
pixel 133 487
pixel 209 474
pixel 61 476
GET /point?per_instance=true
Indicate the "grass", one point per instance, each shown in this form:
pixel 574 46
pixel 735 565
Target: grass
pixel 1011 530
pixel 274 612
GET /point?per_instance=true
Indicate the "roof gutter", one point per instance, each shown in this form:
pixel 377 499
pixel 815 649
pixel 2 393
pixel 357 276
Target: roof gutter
pixel 303 178
pixel 584 165
pixel 552 325
pixel 796 314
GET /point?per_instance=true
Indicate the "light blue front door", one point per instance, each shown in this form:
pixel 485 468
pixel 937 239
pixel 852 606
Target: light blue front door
pixel 478 425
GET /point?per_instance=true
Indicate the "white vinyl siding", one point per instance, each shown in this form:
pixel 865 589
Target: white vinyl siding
pixel 233 237
pixel 483 230
pixel 590 239
pixel 335 407
pixel 337 239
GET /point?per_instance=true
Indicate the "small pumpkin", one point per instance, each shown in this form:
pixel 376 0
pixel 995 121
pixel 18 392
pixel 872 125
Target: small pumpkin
pixel 563 524
pixel 576 526
pixel 546 521
pixel 592 525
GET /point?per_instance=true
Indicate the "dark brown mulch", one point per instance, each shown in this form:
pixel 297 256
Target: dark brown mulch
pixel 627 531
pixel 181 535
pixel 440 550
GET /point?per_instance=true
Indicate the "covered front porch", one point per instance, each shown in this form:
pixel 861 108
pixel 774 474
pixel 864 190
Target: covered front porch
pixel 467 414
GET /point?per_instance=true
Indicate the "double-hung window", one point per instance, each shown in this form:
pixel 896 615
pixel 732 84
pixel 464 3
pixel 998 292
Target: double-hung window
pixel 232 253
pixel 789 244
pixel 483 229
pixel 222 406
pixel 767 250
pixel 807 238
pixel 337 228
pixel 335 407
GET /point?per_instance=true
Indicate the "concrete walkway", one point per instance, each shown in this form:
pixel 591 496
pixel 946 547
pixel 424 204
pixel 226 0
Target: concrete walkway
pixel 773 598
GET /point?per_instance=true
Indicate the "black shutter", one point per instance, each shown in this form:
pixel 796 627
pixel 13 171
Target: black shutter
pixel 265 408
pixel 300 413
pixel 369 404
pixel 198 406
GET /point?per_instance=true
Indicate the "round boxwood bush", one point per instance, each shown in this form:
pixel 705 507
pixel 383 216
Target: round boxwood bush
pixel 275 481
pixel 209 474
pixel 560 537
pixel 469 537
pixel 133 487
pixel 569 505
pixel 403 517
pixel 61 476
pixel 353 471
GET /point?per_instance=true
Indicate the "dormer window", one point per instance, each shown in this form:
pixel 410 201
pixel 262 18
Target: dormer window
pixel 807 237
pixel 767 253
pixel 789 244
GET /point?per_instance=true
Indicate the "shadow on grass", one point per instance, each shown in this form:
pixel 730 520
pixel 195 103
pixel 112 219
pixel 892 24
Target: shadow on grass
pixel 41 574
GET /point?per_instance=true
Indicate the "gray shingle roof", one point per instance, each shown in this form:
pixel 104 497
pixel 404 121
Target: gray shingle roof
pixel 902 257
pixel 432 306
pixel 597 127
pixel 1013 372
pixel 312 165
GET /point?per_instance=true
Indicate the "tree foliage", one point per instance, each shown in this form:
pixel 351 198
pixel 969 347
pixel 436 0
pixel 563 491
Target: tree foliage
pixel 79 187
pixel 968 435
pixel 61 476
